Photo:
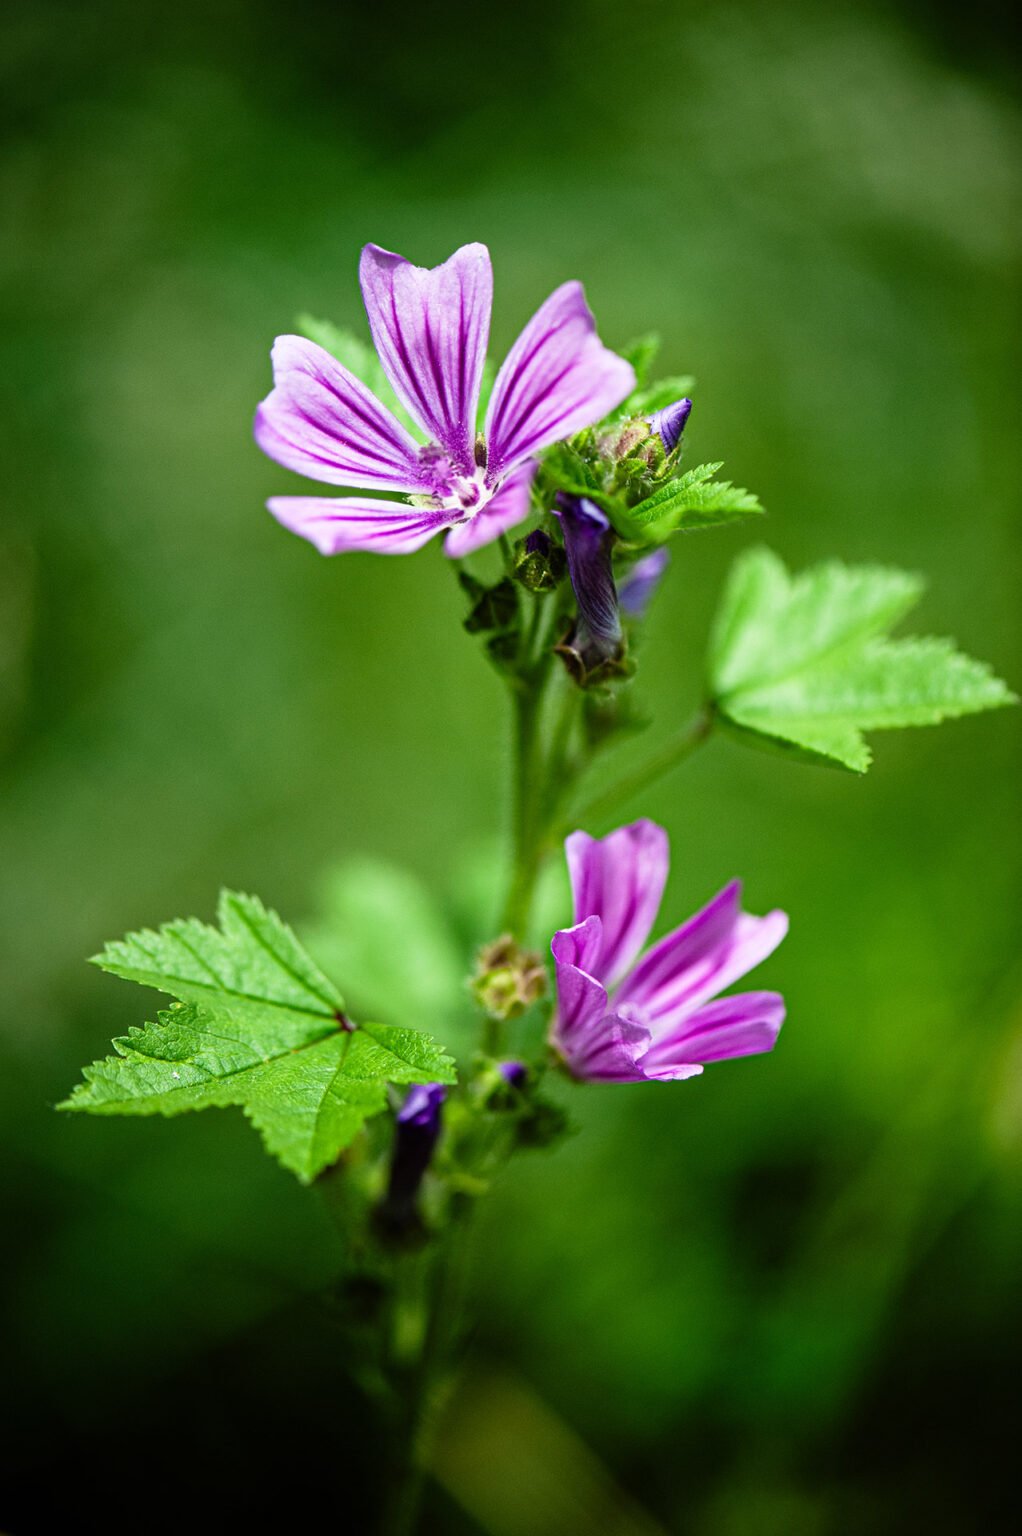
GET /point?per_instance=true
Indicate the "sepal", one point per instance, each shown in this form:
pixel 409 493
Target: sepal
pixel 538 562
pixel 493 607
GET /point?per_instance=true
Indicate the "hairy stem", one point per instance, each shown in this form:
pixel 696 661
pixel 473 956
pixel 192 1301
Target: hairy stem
pixel 527 790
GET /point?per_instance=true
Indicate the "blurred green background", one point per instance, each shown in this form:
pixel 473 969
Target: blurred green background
pixel 780 1299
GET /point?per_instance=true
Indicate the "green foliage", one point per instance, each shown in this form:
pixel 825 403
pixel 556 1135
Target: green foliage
pixel 495 614
pixel 362 906
pixel 256 1024
pixel 493 607
pixel 692 500
pixel 642 354
pixel 574 466
pixel 646 397
pixel 664 392
pixel 804 662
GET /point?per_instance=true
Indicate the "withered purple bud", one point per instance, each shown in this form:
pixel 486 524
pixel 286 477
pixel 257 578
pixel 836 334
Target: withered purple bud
pixel 588 541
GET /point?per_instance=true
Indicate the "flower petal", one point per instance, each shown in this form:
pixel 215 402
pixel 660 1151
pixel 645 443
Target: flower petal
pixel 621 879
pixel 595 1044
pixel 336 524
pixel 431 327
pixel 581 1001
pixel 611 1053
pixel 743 1025
pixel 714 948
pixel 671 961
pixel 642 581
pixel 508 507
pixel 557 379
pixel 323 422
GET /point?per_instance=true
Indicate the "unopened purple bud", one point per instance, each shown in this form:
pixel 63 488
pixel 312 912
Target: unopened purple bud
pixel 415 1137
pixel 538 562
pixel 514 1073
pixel 669 423
pixel 588 539
pixel 422 1106
pixel 641 582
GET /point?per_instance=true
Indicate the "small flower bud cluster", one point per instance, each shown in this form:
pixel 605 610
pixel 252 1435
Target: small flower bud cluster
pixel 508 979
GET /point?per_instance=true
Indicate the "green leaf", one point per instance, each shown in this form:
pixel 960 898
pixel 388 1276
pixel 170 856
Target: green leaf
pixel 692 500
pixel 642 354
pixel 664 392
pixel 804 663
pixel 257 1025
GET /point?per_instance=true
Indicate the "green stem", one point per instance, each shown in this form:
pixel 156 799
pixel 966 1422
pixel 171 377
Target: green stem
pixel 670 755
pixel 426 1307
pixel 562 768
pixel 404 1497
pixel 526 793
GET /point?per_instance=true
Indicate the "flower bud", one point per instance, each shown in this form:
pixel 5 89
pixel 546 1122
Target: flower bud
pixel 508 979
pixel 669 423
pixel 416 1132
pixel 539 563
pixel 624 439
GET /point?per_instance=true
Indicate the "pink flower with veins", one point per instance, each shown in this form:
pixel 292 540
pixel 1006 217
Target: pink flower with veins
pixel 431 328
pixel 621 1019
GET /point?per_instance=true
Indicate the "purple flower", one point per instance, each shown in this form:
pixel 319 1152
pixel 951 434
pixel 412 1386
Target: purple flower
pixel 669 423
pixel 621 1022
pixel 430 328
pixel 641 582
pixel 588 540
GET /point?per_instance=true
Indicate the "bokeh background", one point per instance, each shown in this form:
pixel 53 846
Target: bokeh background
pixel 783 1298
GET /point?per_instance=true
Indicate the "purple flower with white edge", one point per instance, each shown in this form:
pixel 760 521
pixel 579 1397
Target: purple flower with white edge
pixel 619 1021
pixel 431 328
pixel 641 582
pixel 588 542
pixel 669 423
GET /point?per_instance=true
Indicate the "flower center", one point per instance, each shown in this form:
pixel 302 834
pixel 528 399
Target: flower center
pixel 454 487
